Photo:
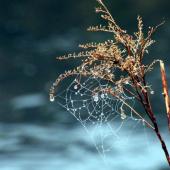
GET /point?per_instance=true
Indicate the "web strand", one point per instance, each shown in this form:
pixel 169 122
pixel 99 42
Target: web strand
pixel 101 114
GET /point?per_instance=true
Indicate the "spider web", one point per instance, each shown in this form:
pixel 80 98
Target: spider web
pixel 102 115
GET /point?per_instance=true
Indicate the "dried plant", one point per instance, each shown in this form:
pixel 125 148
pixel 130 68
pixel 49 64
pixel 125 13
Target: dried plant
pixel 124 53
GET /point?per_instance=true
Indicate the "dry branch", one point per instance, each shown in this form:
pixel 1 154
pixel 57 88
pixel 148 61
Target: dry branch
pixel 165 91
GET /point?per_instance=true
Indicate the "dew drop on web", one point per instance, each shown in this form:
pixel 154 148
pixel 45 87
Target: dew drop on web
pixel 95 98
pixel 102 96
pixel 152 92
pixel 52 99
pixel 75 87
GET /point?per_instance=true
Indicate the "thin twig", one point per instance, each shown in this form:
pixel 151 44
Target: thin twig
pixel 165 91
pixel 154 121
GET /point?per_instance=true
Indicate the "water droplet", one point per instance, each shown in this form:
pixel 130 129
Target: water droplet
pixel 52 98
pixel 143 122
pixel 123 116
pixel 126 82
pixel 152 92
pixel 75 87
pixel 95 98
pixel 108 70
pixel 102 96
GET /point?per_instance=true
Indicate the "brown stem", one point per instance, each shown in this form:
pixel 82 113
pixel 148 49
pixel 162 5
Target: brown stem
pixel 156 129
pixel 165 91
pixel 144 99
pixel 162 142
pixel 140 95
pixel 154 121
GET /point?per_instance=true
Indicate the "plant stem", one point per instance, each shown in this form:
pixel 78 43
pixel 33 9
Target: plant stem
pixel 157 131
pixel 155 124
pixel 144 99
pixel 165 91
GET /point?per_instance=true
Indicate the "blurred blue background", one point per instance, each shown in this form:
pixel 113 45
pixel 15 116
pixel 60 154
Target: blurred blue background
pixel 38 135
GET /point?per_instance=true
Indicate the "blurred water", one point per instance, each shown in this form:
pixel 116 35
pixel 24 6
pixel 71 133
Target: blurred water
pixel 59 147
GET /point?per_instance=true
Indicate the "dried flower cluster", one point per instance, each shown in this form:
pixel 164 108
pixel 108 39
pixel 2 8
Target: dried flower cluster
pixel 124 53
